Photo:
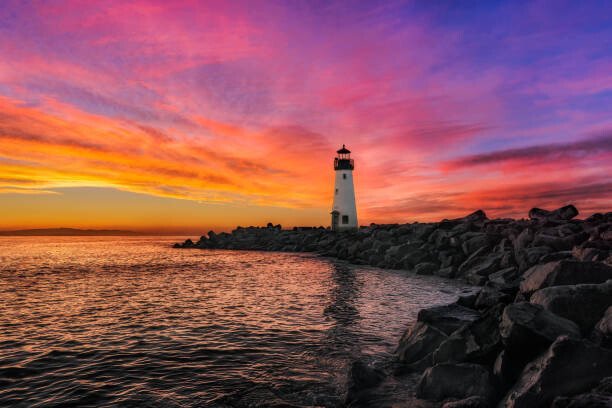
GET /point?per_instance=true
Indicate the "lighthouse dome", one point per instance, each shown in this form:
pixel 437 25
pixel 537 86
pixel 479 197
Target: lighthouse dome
pixel 344 150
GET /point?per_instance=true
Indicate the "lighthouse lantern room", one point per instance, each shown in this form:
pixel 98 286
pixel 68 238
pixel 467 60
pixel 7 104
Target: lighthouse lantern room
pixel 344 211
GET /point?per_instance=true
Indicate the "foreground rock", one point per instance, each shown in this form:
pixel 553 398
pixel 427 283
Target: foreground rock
pixel 458 381
pixel 598 397
pixel 583 304
pixel 566 272
pixel 568 367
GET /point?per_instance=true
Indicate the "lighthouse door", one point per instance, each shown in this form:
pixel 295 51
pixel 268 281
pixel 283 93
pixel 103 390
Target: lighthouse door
pixel 335 220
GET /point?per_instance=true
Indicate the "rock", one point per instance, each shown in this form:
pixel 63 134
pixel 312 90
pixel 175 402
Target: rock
pixel 447 318
pixel 476 216
pixel 479 272
pixel 489 297
pixel 472 244
pixel 583 304
pixel 448 272
pixel 598 397
pixel 602 334
pixel 558 243
pixel 478 341
pixel 568 367
pixel 564 272
pixel 556 256
pixel 508 366
pixel 455 381
pixel 527 329
pixel 467 299
pixel 504 276
pixel 425 268
pixel 362 376
pixel 470 402
pixel 419 342
pixel 560 214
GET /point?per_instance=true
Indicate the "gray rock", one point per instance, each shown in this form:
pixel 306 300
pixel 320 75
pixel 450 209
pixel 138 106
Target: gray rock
pixel 602 334
pixel 425 268
pixel 564 273
pixel 489 297
pixel 583 304
pixel 527 329
pixel 447 318
pixel 479 272
pixel 477 342
pixel 568 367
pixel 361 377
pixel 455 381
pixel 598 397
pixel 448 272
pixel 419 342
pixel 560 214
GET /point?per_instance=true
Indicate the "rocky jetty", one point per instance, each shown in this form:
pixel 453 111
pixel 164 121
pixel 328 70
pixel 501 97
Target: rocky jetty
pixel 537 333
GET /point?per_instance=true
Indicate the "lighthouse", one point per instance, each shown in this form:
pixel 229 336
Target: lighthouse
pixel 344 211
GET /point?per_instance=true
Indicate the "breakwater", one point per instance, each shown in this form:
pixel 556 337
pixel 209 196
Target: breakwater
pixel 538 332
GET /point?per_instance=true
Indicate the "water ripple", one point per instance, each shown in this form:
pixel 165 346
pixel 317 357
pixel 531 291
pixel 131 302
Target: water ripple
pixel 130 322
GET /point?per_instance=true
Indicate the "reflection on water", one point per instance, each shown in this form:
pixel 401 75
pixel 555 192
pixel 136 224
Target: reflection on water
pixel 131 322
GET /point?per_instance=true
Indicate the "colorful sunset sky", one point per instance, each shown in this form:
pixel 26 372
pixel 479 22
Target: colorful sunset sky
pixel 184 116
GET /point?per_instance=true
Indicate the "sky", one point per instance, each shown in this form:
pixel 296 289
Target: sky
pixel 184 116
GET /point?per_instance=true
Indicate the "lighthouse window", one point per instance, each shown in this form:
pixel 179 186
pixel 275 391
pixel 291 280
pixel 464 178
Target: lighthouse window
pixel 344 176
pixel 345 219
pixel 336 191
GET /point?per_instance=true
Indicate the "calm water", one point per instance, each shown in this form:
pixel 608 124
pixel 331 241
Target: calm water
pixel 132 322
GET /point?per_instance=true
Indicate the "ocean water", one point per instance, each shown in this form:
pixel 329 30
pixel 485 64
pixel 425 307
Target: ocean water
pixel 129 321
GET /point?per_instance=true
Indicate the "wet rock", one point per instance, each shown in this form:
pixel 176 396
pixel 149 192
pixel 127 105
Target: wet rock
pixel 447 318
pixel 478 341
pixel 508 366
pixel 583 304
pixel 425 268
pixel 602 334
pixel 527 329
pixel 361 377
pixel 457 381
pixel 505 280
pixel 418 343
pixel 568 367
pixel 564 272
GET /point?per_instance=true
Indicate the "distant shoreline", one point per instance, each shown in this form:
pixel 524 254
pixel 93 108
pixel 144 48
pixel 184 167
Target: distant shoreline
pixel 66 232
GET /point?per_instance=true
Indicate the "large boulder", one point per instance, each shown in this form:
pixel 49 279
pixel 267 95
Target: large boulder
pixel 362 375
pixel 560 214
pixel 478 341
pixel 583 304
pixel 564 272
pixel 527 329
pixel 602 334
pixel 447 318
pixel 418 343
pixel 568 367
pixel 598 397
pixel 433 326
pixel 456 381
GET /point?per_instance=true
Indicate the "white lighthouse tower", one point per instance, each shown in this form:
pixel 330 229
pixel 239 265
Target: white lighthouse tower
pixel 344 211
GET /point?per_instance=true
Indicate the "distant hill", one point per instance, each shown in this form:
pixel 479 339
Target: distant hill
pixel 65 232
